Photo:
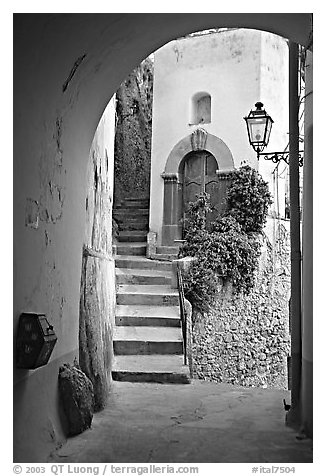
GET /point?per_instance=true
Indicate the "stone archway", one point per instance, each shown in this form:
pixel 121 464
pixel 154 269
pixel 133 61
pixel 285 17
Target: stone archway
pixel 199 140
pixel 58 101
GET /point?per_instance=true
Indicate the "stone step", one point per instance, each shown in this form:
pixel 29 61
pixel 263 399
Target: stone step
pixel 147 340
pixel 133 225
pixel 158 295
pixel 141 276
pixel 157 316
pixel 134 248
pixel 132 218
pixel 150 368
pixel 140 262
pixel 132 203
pixel 167 250
pixel 164 257
pixel 132 236
pixel 131 212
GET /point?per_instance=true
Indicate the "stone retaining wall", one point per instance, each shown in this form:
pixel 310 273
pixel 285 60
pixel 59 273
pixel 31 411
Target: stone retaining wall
pixel 245 340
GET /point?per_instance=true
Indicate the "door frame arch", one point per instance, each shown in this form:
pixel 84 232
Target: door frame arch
pixel 198 140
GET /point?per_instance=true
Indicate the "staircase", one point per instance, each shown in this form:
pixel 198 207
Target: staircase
pixel 148 345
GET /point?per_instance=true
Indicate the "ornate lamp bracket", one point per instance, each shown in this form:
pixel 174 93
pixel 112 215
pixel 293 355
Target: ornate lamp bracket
pixel 276 157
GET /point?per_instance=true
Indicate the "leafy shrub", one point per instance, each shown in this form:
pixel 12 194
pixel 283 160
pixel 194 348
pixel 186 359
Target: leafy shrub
pixel 248 199
pixel 229 247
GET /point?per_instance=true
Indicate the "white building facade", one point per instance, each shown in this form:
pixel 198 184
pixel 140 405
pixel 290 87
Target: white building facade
pixel 204 85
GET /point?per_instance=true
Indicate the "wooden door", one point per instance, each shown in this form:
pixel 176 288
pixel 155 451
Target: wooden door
pixel 200 175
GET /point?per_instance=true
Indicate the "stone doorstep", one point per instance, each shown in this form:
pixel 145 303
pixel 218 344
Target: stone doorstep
pixel 167 250
pixel 150 368
pixel 164 257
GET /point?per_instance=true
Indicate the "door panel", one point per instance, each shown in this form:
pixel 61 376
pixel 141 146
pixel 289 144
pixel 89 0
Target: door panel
pixel 200 176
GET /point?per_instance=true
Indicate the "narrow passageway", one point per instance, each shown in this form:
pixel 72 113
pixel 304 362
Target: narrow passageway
pixel 202 422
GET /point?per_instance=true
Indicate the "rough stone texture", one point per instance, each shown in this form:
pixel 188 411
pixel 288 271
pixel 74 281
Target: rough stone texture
pixel 245 340
pixel 188 311
pixel 151 244
pixel 97 293
pixel 133 133
pixel 76 392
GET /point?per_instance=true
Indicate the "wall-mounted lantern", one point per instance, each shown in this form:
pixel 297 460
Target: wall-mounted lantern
pixel 35 341
pixel 259 126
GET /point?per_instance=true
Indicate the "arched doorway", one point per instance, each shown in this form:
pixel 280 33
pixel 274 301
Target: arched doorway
pixel 199 162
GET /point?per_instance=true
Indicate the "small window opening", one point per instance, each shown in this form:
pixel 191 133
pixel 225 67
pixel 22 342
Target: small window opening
pixel 201 108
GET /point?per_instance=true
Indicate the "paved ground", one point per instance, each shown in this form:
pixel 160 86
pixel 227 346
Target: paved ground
pixel 202 422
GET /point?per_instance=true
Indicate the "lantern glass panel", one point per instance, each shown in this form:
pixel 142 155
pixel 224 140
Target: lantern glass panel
pixel 257 130
pixel 268 130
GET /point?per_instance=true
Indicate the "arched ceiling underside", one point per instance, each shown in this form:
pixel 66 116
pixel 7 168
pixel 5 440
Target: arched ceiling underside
pixel 77 61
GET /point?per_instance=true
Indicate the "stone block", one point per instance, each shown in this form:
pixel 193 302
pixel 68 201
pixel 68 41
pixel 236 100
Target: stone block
pixel 183 264
pixel 151 244
pixel 77 396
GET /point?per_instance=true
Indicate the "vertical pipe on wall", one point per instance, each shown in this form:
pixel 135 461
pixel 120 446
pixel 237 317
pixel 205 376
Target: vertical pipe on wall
pixel 307 264
pixel 295 308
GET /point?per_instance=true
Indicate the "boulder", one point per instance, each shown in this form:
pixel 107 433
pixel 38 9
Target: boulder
pixel 77 397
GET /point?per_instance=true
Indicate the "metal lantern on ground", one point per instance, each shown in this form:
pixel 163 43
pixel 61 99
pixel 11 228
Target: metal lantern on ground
pixel 259 126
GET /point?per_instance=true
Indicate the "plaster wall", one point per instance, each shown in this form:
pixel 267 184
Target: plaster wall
pixel 274 93
pixel 97 291
pixel 66 69
pixel 237 68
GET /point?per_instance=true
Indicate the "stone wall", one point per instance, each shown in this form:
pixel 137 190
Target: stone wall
pixel 245 340
pixel 97 294
pixel 133 133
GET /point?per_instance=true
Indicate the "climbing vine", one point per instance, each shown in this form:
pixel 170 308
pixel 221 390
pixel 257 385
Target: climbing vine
pixel 228 248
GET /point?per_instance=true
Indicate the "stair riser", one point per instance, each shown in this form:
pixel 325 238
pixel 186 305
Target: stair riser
pixel 147 299
pixel 167 250
pixel 127 279
pixel 146 321
pixel 131 220
pixel 132 238
pixel 150 265
pixel 133 226
pixel 147 348
pixel 149 377
pixel 161 257
pixel 132 204
pixel 131 250
pixel 131 211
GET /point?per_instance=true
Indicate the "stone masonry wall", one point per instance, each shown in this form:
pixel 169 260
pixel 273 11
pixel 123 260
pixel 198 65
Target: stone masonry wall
pixel 245 340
